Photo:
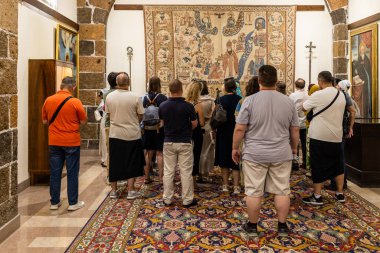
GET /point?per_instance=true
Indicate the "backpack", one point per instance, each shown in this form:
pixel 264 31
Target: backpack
pixel 151 116
pixel 219 115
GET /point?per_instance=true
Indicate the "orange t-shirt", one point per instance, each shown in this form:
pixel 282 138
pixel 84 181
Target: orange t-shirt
pixel 64 131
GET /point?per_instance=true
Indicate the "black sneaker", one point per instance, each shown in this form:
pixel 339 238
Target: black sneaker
pixel 330 187
pixel 251 229
pixel 313 200
pixel 283 230
pixel 340 197
pixel 193 203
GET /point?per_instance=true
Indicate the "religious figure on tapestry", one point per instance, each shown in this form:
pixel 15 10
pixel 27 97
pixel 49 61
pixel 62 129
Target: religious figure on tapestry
pixel 230 61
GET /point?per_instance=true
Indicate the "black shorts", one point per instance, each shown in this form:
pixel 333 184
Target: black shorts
pixel 325 160
pixel 153 140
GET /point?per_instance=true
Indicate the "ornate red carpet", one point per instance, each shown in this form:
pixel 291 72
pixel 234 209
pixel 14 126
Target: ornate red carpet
pixel 146 225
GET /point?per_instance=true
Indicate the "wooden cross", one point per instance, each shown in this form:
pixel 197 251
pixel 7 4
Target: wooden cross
pixel 219 15
pixel 310 47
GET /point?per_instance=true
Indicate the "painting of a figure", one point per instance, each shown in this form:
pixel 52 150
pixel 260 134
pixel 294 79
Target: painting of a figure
pixel 67 47
pixel 364 70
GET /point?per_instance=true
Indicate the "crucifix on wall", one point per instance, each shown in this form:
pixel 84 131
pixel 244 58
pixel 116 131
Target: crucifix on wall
pixel 310 47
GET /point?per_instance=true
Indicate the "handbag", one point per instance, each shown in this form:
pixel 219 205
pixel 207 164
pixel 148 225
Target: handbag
pixel 310 115
pixel 97 115
pixel 219 115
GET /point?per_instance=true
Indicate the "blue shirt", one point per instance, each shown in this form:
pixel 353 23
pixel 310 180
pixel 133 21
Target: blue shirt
pixel 177 115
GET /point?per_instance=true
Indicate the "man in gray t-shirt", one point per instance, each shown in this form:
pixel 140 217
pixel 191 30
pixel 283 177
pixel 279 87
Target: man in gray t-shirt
pixel 268 123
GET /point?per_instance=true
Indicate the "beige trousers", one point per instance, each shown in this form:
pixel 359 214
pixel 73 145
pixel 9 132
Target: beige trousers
pixel 206 163
pixel 181 154
pixel 107 132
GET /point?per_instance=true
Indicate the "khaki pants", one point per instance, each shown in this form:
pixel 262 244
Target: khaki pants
pixel 206 163
pixel 181 154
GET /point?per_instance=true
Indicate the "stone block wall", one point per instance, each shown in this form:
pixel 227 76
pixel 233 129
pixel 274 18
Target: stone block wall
pixel 8 116
pixel 339 18
pixel 92 19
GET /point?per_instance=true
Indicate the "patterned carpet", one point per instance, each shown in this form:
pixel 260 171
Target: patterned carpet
pixel 146 225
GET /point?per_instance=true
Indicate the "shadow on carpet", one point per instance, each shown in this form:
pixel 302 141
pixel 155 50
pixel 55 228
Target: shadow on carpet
pixel 214 225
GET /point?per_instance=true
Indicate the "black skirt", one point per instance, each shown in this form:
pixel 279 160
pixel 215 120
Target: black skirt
pixel 325 160
pixel 126 159
pixel 153 140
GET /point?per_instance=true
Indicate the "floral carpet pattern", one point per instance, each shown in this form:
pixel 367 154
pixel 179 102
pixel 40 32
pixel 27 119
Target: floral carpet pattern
pixel 214 225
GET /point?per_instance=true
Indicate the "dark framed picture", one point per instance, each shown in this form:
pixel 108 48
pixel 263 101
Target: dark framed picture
pixel 363 65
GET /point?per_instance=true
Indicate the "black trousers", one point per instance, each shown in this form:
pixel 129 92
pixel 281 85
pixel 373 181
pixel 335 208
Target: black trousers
pixel 303 146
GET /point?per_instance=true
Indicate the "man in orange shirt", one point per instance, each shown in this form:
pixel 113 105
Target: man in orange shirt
pixel 64 114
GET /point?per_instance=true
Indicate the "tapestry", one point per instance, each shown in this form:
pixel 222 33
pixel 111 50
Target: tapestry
pixel 216 42
pixel 214 225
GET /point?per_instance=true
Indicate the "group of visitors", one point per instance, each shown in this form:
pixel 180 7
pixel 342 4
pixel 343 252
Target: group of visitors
pixel 190 131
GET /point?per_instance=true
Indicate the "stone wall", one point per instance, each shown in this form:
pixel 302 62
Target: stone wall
pixel 339 17
pixel 92 19
pixel 8 116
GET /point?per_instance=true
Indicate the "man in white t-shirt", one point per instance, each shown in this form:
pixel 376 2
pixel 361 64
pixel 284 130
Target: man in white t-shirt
pixel 325 133
pixel 299 97
pixel 125 145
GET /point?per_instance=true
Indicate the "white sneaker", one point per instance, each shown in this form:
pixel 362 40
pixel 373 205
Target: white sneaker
pixel 122 183
pixel 77 206
pixel 114 195
pixel 237 190
pixel 134 195
pixel 55 207
pixel 225 188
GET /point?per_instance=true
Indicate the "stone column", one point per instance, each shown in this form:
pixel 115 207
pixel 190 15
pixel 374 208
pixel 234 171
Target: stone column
pixel 338 13
pixel 9 218
pixel 92 19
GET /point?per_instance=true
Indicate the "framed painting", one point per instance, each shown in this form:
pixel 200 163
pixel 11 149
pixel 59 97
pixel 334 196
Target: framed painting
pixel 67 49
pixel 363 66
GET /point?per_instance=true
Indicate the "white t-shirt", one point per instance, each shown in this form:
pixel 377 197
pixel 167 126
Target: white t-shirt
pixel 124 107
pixel 299 97
pixel 326 126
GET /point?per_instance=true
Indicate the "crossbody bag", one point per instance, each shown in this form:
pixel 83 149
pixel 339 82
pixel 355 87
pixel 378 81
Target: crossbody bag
pixel 310 115
pixel 59 109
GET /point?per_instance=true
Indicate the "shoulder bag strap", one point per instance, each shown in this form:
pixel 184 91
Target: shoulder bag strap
pixel 59 109
pixel 327 107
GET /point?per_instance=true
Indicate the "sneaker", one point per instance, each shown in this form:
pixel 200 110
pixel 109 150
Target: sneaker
pixel 313 200
pixel 114 195
pixel 251 229
pixel 122 183
pixel 193 203
pixel 340 197
pixel 237 190
pixel 225 188
pixel 330 187
pixel 283 230
pixel 168 204
pixel 77 206
pixel 56 206
pixel 134 195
